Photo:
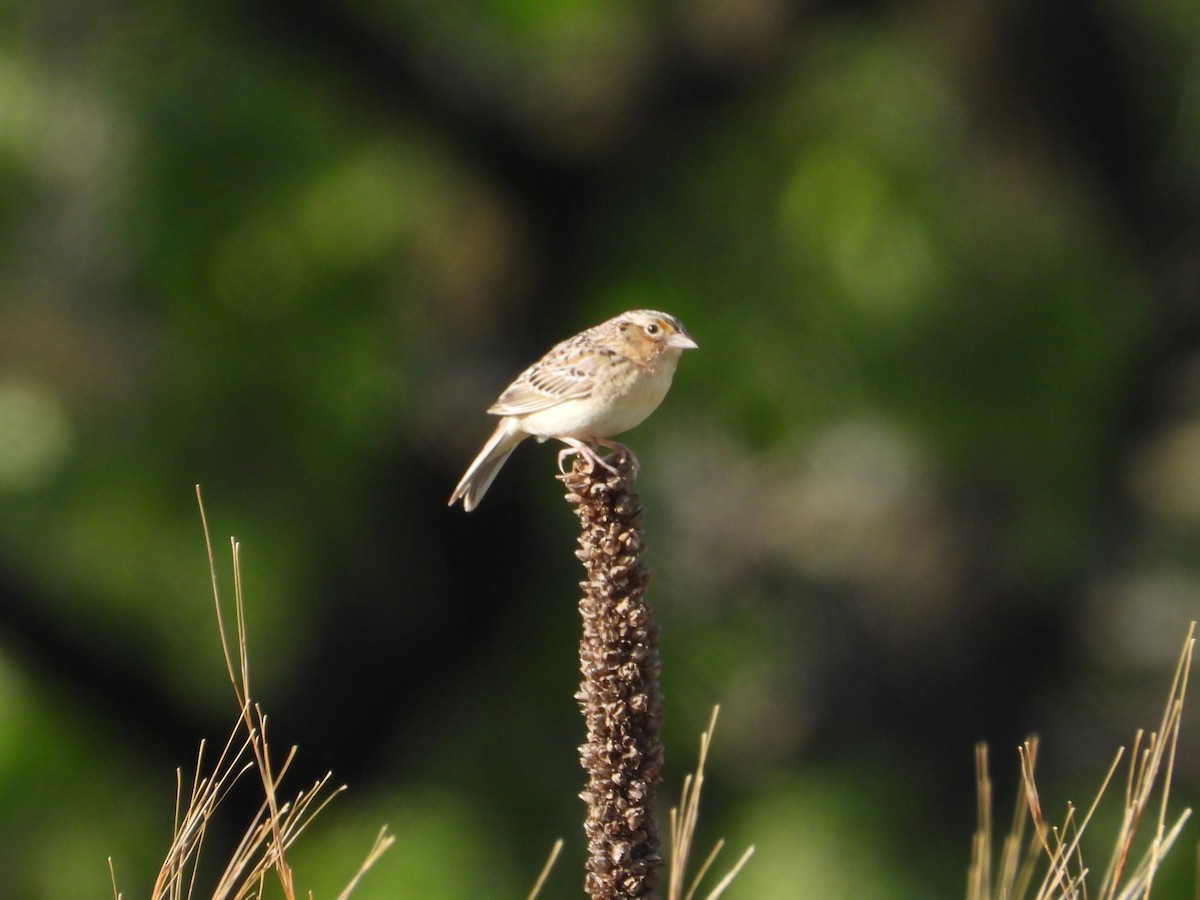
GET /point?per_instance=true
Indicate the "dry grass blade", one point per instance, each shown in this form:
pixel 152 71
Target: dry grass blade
pixel 683 830
pixel 1159 756
pixel 731 874
pixel 979 877
pixel 274 857
pixel 261 854
pixel 112 875
pixel 1151 767
pixel 545 873
pixel 1071 851
pixel 1016 867
pixel 383 841
pixel 176 877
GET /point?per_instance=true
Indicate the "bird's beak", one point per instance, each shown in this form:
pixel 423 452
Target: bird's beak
pixel 681 340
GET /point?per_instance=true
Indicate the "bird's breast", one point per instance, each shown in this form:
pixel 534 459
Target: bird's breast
pixel 615 405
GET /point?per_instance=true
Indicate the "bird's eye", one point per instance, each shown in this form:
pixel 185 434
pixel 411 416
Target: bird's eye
pixel 652 329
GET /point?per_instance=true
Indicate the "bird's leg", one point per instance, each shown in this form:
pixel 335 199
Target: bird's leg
pixel 634 465
pixel 588 452
pixel 574 448
pixel 563 454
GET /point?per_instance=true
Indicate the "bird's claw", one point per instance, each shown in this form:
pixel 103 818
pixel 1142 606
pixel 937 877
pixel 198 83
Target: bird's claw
pixel 593 457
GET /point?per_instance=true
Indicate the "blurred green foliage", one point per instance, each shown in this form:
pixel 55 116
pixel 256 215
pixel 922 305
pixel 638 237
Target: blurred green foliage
pixel 931 478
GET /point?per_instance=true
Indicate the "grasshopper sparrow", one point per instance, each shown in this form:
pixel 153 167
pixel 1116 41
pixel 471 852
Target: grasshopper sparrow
pixel 598 383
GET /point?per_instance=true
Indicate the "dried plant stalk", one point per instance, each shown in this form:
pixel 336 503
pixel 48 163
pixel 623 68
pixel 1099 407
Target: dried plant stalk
pixel 619 694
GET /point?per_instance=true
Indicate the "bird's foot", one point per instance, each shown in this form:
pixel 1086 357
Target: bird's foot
pixel 576 447
pixel 619 450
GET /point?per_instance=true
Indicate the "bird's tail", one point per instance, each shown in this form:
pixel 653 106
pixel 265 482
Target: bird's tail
pixel 484 467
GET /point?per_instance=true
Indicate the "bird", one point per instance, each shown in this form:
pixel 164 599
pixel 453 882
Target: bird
pixel 601 382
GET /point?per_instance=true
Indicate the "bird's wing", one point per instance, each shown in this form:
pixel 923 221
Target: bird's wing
pixel 563 374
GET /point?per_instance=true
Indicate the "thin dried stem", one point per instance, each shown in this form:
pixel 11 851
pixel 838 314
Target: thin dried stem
pixel 545 873
pixel 979 876
pixel 684 820
pixel 262 851
pixel 1151 767
pixel 731 874
pixel 383 841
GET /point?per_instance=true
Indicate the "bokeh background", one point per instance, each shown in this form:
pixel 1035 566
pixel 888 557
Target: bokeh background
pixel 932 478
